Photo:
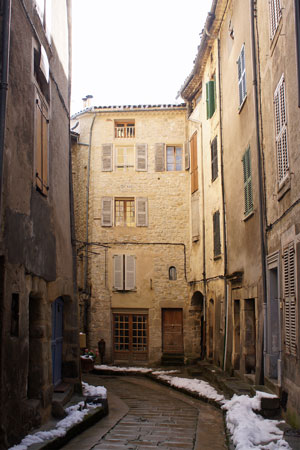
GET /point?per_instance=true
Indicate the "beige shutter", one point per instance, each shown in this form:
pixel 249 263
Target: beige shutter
pixel 159 157
pixel 107 157
pixel 118 272
pixel 141 212
pixel 195 219
pixel 129 272
pixel 107 212
pixel 289 291
pixel 186 156
pixel 141 157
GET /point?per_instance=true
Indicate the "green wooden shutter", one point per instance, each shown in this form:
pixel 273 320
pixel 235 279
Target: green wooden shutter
pixel 248 194
pixel 216 230
pixel 210 98
pixel 289 293
pixel 214 159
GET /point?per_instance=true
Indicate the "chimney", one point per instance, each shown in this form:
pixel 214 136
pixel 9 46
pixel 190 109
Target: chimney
pixel 84 102
pixel 89 101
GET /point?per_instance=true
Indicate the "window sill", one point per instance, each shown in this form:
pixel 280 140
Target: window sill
pixel 123 291
pixel 248 216
pixel 283 188
pixel 242 104
pixel 217 257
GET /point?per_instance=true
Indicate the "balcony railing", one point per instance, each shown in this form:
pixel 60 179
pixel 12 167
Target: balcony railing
pixel 124 132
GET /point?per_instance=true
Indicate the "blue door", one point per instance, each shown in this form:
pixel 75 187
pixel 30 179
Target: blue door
pixel 57 339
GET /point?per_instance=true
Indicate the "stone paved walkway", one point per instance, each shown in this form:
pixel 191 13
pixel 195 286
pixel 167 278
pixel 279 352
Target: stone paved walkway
pixel 144 415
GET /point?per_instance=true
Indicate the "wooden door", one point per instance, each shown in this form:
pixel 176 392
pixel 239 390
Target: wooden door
pixel 172 330
pixel 130 337
pixel 57 340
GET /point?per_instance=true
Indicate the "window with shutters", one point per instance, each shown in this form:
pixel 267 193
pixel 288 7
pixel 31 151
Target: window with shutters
pixel 217 236
pixel 124 158
pixel 43 8
pixel 124 272
pixel 275 16
pixel 194 163
pixel 125 129
pixel 289 294
pixel 124 212
pixel 242 77
pixel 248 194
pixel 210 98
pixel 214 159
pixel 174 158
pixel 281 131
pixel 41 144
pixel 107 157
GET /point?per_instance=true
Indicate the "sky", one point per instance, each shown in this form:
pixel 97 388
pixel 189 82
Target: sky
pixel 130 52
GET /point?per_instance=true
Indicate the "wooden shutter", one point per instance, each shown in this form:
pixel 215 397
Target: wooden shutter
pixel 242 75
pixel 141 212
pixel 186 156
pixel 41 145
pixel 289 290
pixel 107 212
pixel 141 157
pixel 129 272
pixel 194 163
pixel 281 130
pixel 210 98
pixel 195 219
pixel 118 272
pixel 107 157
pixel 248 195
pixel 159 157
pixel 216 230
pixel 214 159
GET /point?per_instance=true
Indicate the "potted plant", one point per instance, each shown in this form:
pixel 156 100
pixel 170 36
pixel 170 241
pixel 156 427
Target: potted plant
pixel 87 360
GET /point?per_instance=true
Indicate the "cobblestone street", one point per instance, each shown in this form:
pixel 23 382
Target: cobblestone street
pixel 146 415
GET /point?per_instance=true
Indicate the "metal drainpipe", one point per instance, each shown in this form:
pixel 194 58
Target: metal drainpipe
pixel 87 225
pixel 260 182
pixel 4 81
pixel 226 287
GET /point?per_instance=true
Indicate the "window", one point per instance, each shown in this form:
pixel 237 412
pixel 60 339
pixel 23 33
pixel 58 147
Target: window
pixel 14 321
pixel 124 272
pixel 41 70
pixel 124 212
pixel 194 163
pixel 210 98
pixel 41 145
pixel 281 131
pixel 275 16
pixel 217 237
pixel 125 129
pixel 124 158
pixel 174 158
pixel 289 294
pixel 172 273
pixel 248 195
pixel 127 212
pixel 214 159
pixel 173 155
pixel 242 76
pixel 43 8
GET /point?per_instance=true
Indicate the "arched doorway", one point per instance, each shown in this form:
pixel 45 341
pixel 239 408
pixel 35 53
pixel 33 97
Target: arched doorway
pixel 197 304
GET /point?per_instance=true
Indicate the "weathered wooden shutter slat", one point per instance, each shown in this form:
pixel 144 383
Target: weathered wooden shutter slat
pixel 39 140
pixel 141 212
pixel 159 157
pixel 107 212
pixel 45 151
pixel 107 157
pixel 118 272
pixel 141 157
pixel 129 272
pixel 248 193
pixel 186 156
pixel 195 219
pixel 216 231
pixel 194 164
pixel 210 98
pixel 289 292
pixel 214 159
pixel 281 130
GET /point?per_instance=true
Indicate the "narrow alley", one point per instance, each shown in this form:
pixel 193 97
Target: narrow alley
pixel 145 415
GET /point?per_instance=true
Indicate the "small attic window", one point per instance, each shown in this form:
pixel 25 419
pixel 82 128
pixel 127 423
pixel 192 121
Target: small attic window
pixel 172 273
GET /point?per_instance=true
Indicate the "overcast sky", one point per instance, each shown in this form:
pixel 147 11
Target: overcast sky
pixel 129 52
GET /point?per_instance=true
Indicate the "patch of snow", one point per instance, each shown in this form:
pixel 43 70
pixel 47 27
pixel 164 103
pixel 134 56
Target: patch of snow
pixel 122 369
pixel 94 390
pixel 75 414
pixel 203 388
pixel 165 372
pixel 249 430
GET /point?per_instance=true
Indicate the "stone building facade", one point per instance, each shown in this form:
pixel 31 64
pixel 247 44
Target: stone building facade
pixel 132 227
pixel 38 306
